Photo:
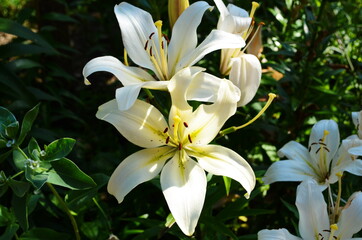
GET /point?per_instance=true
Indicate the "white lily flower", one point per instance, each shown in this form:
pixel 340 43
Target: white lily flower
pixel 246 75
pixel 314 221
pixel 171 148
pixel 149 48
pixel 312 162
pixel 357 120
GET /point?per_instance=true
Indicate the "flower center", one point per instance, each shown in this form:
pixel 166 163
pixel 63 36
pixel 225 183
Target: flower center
pixel 179 138
pixel 157 51
pixel 329 232
pixel 321 149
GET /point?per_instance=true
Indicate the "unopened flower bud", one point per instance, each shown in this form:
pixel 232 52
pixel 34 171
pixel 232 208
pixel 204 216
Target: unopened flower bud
pixel 175 8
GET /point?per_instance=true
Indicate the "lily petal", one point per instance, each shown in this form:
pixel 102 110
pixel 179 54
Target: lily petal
pixel 222 161
pixel 136 27
pixel 313 216
pixel 276 234
pixel 127 75
pixel 184 187
pixel 322 155
pixel 222 9
pixel 288 170
pixel 294 151
pixel 216 40
pixel 355 167
pixel 137 168
pixel 142 124
pixel 237 22
pixel 184 36
pixel 350 220
pixel 246 74
pixel 214 115
pixel 127 95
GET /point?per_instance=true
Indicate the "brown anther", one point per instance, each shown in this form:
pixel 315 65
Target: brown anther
pixel 165 36
pixel 167 139
pixel 162 44
pixel 327 230
pixel 146 45
pixel 151 51
pixel 179 146
pixel 190 140
pixel 151 35
pixel 186 125
pixel 166 129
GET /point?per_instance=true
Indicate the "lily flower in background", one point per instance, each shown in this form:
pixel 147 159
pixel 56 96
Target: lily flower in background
pixel 244 70
pixel 314 222
pixel 173 147
pixel 312 162
pixel 149 48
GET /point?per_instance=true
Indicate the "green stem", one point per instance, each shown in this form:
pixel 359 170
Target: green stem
pixel 66 210
pixel 17 174
pixel 102 211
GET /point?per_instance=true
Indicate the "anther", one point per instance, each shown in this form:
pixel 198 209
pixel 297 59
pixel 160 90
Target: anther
pixel 179 146
pixel 151 35
pixel 151 51
pixel 162 44
pixel 190 140
pixel 167 139
pixel 186 125
pixel 146 45
pixel 166 129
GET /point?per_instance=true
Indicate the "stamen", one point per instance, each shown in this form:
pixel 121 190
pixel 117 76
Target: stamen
pixel 334 228
pixel 177 121
pixel 325 133
pixel 146 45
pixel 167 139
pixel 186 125
pixel 151 35
pixel 179 146
pixel 271 98
pixel 151 51
pixel 252 37
pixel 125 57
pixel 166 129
pixel 254 6
pixel 190 140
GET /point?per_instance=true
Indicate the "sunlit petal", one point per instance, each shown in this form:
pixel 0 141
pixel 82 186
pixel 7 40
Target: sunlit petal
pixel 184 36
pixel 183 184
pixel 137 168
pixel 350 220
pixel 276 234
pixel 207 120
pixel 216 40
pixel 294 151
pixel 313 216
pixel 142 124
pixel 288 170
pixel 222 9
pixel 136 27
pixel 246 75
pixel 222 161
pixel 127 75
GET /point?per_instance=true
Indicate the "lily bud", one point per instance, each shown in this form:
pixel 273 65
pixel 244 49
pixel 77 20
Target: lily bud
pixel 175 8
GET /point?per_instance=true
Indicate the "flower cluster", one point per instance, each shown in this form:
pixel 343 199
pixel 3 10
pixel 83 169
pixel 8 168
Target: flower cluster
pixel 177 143
pixel 317 167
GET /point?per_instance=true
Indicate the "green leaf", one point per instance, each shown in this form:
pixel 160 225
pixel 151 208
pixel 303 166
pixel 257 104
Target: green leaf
pixel 27 123
pixel 227 183
pixel 43 234
pixel 34 149
pixel 3 143
pixel 5 155
pixel 19 159
pixel 18 187
pixel 12 27
pixel 67 174
pixel 291 208
pixel 6 119
pixel 10 232
pixel 6 216
pixel 38 179
pixel 19 206
pixel 12 129
pixel 59 149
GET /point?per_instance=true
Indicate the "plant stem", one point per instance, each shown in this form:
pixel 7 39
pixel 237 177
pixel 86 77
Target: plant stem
pixel 102 211
pixel 66 210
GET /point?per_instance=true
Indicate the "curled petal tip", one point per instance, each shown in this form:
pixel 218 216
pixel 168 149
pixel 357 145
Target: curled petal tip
pixel 87 82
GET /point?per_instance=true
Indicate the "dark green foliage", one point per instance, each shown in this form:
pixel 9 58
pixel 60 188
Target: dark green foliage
pixel 312 61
